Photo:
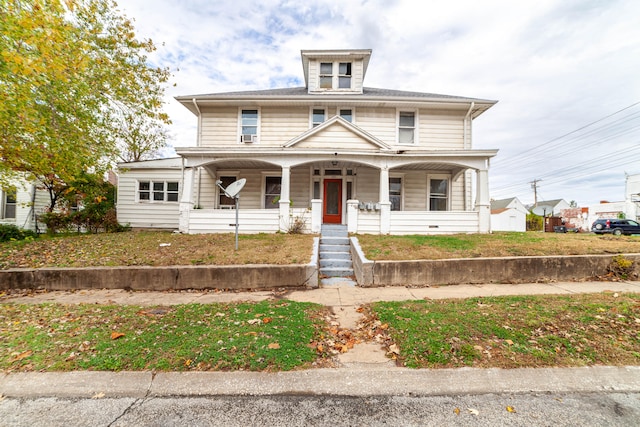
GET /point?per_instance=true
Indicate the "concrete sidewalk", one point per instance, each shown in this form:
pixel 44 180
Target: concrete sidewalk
pixel 363 371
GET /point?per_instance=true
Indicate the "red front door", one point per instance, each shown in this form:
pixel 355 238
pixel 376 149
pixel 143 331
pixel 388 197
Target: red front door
pixel 332 201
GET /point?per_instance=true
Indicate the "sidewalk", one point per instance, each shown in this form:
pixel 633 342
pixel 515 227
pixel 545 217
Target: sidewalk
pixel 363 371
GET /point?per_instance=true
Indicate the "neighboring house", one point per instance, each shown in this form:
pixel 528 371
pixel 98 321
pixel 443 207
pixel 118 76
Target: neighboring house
pixel 21 202
pixel 149 193
pixel 629 208
pixel 378 160
pixel 550 207
pixel 508 215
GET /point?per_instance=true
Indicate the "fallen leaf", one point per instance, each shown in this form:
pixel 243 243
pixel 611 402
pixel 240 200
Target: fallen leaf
pixel 456 411
pixel 254 321
pixel 510 409
pixel 394 349
pixel 98 396
pixel 116 335
pixel 320 348
pixel 22 355
pixel 70 357
pixel 473 411
pixel 274 346
pixel 509 342
pixel 267 320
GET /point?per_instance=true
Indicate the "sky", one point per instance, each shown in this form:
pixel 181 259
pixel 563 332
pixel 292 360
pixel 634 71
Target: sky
pixel 565 73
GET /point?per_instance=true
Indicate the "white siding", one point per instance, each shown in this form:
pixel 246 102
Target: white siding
pixel 219 127
pixel 251 221
pixel 336 136
pixel 281 124
pixel 368 185
pixel 449 222
pixel 146 214
pixel 380 122
pixel 441 130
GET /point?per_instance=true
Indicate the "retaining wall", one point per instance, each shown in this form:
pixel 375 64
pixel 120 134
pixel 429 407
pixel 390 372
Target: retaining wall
pixel 480 270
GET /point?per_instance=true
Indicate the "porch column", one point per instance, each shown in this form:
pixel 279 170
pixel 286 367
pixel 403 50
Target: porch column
pixel 385 204
pixel 352 216
pixel 285 185
pixel 316 215
pixel 186 200
pixel 483 203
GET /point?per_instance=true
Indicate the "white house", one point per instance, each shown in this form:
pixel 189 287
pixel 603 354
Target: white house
pixel 20 202
pixel 629 208
pixel 333 151
pixel 508 215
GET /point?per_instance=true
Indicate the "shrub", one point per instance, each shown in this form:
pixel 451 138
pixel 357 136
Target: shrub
pixel 10 232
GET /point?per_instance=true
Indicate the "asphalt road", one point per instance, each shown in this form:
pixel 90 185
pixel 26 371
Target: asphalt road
pixel 529 409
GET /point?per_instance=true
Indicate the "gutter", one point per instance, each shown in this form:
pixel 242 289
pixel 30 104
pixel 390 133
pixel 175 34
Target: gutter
pixel 465 137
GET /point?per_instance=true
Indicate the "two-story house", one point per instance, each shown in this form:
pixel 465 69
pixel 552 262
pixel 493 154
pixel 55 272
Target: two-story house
pixel 334 151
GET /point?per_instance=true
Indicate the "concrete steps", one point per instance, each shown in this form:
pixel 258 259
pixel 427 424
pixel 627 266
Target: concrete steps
pixel 335 252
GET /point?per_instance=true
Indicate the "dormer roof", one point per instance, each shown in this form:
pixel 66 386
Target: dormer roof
pixel 346 55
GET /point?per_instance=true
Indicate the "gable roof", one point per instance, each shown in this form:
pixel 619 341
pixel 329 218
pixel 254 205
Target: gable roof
pixel 502 204
pixel 338 121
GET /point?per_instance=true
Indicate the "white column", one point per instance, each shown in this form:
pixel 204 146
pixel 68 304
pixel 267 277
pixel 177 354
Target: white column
pixel 285 203
pixel 483 203
pixel 186 200
pixel 385 204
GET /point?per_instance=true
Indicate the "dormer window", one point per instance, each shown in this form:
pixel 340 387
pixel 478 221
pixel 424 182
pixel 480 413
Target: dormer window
pixel 330 80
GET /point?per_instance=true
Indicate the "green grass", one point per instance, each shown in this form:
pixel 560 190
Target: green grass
pixel 244 336
pixel 515 331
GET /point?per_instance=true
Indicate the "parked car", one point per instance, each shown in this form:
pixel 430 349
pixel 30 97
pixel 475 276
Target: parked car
pixel 615 226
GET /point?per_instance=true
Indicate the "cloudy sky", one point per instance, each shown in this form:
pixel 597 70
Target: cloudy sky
pixel 566 73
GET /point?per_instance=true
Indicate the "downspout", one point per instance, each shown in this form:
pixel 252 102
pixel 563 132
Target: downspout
pixel 198 142
pixel 467 145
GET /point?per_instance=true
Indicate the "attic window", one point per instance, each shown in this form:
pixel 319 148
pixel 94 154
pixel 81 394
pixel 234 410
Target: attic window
pixel 329 79
pixel 344 76
pixel 326 75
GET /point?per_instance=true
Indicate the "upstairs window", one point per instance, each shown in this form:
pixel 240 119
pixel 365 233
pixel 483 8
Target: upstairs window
pixel 318 116
pixel 248 125
pixel 406 127
pixel 158 191
pixel 347 114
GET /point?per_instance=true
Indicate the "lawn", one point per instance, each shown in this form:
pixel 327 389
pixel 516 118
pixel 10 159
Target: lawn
pixel 511 332
pixel 499 244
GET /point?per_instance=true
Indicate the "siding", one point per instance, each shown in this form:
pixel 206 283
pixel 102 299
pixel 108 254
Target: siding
pixel 219 127
pixel 251 221
pixel 368 185
pixel 336 136
pixel 441 130
pixel 279 125
pixel 448 222
pixel 380 122
pixel 146 214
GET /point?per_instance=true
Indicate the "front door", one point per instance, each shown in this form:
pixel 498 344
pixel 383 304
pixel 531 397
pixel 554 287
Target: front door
pixel 332 199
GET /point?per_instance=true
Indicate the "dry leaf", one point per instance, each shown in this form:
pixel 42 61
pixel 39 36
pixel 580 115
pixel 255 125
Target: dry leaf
pixel 22 355
pixel 274 346
pixel 267 320
pixel 116 335
pixel 254 321
pixel 473 411
pixel 98 396
pixel 394 349
pixel 456 411
pixel 509 342
pixel 510 409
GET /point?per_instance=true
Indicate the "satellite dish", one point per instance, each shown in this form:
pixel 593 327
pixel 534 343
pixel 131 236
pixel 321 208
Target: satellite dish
pixel 234 188
pixel 540 211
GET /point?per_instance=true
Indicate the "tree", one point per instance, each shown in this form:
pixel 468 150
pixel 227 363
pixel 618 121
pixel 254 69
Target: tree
pixel 71 71
pixel 140 139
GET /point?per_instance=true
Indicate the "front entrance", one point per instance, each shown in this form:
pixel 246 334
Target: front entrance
pixel 332 201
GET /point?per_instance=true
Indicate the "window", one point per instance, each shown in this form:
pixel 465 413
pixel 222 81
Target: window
pixel 328 79
pixel 344 75
pixel 272 192
pixel 9 206
pixel 224 201
pixel 326 75
pixel 248 125
pixel 438 194
pixel 346 114
pixel 318 116
pixel 406 127
pixel 158 191
pixel 395 193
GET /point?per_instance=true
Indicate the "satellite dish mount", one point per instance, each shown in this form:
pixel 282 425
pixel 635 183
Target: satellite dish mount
pixel 233 192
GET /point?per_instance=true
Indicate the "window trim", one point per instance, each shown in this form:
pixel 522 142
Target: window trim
pixel 165 191
pixel 448 195
pixel 415 126
pixel 402 190
pixel 240 124
pixel 4 203
pixel 336 75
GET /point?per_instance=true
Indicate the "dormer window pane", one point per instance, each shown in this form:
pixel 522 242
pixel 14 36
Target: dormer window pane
pixel 344 77
pixel 326 75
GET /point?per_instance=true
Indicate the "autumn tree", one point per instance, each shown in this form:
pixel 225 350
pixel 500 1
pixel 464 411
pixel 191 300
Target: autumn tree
pixel 73 76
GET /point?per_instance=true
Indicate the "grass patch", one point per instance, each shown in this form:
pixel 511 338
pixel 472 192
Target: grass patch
pixel 156 249
pixel 270 335
pixel 499 244
pixel 516 331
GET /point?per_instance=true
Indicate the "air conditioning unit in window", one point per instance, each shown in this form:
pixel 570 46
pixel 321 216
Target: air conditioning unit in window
pixel 248 138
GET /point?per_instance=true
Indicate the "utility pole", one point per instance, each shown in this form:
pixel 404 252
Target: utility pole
pixel 534 185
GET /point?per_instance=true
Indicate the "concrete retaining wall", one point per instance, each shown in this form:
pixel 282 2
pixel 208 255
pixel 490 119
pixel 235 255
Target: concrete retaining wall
pixel 480 270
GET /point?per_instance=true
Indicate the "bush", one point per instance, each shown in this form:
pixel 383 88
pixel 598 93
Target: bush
pixel 10 232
